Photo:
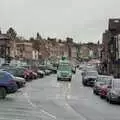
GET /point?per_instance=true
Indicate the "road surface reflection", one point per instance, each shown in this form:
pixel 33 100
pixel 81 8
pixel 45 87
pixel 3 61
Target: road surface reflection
pixel 64 90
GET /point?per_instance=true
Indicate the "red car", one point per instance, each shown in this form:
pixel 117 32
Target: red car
pixel 105 88
pixel 29 74
pixel 33 74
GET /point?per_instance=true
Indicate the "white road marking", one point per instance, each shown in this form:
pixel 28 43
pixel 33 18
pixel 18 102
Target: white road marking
pixel 34 106
pixel 49 114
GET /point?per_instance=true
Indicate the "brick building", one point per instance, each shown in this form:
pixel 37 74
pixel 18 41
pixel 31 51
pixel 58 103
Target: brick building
pixel 24 50
pixel 7 50
pixel 110 50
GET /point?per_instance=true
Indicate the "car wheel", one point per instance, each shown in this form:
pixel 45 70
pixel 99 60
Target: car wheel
pixel 101 96
pixel 41 76
pixel 107 99
pixel 58 79
pixel 18 85
pixel 84 84
pixel 69 79
pixel 3 93
pixel 110 101
pixel 35 77
pixel 94 92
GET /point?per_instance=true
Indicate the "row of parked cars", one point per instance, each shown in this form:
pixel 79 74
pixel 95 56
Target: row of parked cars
pixel 106 87
pixel 13 78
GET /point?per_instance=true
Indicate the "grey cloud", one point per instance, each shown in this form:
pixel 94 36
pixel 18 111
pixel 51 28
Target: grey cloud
pixel 84 20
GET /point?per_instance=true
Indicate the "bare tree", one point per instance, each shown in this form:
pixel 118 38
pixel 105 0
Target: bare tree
pixel 11 33
pixel 38 37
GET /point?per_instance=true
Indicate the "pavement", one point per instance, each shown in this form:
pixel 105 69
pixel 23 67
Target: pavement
pixel 48 99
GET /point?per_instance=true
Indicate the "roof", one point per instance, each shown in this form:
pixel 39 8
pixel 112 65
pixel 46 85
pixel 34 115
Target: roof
pixel 4 37
pixel 24 43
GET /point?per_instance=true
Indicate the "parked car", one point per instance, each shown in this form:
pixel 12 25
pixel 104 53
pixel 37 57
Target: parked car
pixel 27 75
pixel 48 72
pixel 40 73
pixel 52 69
pixel 20 72
pixel 81 66
pixel 45 69
pixel 7 84
pixel 104 88
pixel 113 94
pixel 33 75
pixel 89 78
pixel 19 80
pixel 100 81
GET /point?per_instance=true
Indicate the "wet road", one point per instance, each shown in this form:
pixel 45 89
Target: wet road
pixel 47 99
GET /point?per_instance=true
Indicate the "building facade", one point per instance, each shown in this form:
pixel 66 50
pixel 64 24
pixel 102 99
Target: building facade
pixel 110 49
pixel 24 50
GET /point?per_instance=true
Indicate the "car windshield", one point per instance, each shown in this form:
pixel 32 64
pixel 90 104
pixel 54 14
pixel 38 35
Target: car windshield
pixel 42 67
pixel 20 71
pixel 12 71
pixel 92 73
pixel 64 68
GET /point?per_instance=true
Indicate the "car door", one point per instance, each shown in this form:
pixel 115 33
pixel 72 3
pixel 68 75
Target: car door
pixel 2 78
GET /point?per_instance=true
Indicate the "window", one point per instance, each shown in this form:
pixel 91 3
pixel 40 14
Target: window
pixel 64 68
pixel 1 76
pixel 92 73
pixel 116 84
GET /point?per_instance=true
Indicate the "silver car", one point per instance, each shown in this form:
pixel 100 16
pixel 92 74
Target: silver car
pixel 113 94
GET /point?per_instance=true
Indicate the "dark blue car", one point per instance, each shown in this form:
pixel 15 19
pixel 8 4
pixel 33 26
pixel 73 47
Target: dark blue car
pixel 7 84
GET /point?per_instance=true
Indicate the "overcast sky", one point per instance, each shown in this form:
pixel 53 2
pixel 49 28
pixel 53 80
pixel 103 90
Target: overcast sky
pixel 84 20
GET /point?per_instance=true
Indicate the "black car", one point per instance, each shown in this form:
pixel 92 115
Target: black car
pixel 20 82
pixel 113 94
pixel 45 69
pixel 89 78
pixel 100 81
pixel 40 73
